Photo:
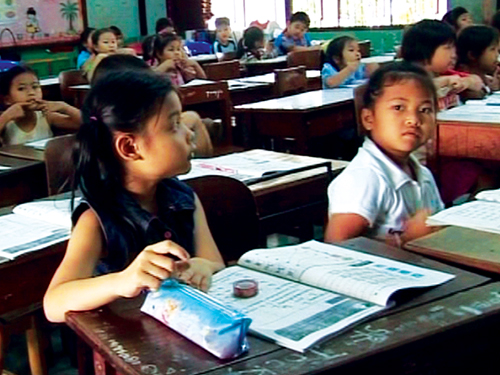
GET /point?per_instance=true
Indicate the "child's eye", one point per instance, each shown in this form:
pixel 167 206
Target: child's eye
pixel 397 107
pixel 427 110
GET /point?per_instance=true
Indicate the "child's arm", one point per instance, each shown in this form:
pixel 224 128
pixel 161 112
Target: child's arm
pixel 208 259
pixel 339 78
pixel 198 70
pixel 166 66
pixel 62 115
pixel 341 227
pixel 416 227
pixel 370 69
pixel 74 289
pixel 12 113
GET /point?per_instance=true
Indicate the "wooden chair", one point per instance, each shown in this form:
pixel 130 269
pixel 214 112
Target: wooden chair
pixel 222 70
pixel 227 56
pixel 211 100
pixel 59 163
pixel 67 79
pixel 310 58
pixel 231 214
pixel 290 81
pixel 365 47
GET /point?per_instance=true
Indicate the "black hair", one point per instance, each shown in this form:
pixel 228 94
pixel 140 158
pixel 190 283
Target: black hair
pixel 222 21
pixel 117 62
pixel 148 48
pixel 84 36
pixel 163 23
pixel 120 101
pixel 161 41
pixel 451 17
pixel 247 42
pixel 116 30
pixel 31 10
pixel 8 76
pixel 97 34
pixel 334 50
pixel 495 20
pixel 473 40
pixel 394 73
pixel 421 40
pixel 301 17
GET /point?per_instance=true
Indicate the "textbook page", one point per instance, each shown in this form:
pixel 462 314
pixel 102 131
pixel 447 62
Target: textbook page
pixel 294 315
pixel 334 268
pixel 22 234
pixel 479 215
pixel 489 195
pixel 55 211
pixel 240 166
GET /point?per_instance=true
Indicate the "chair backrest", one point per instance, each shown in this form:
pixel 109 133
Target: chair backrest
pixel 310 58
pixel 210 100
pixel 198 48
pixel 67 79
pixel 290 81
pixel 59 163
pixel 226 56
pixel 359 92
pixel 364 47
pixel 231 214
pixel 222 70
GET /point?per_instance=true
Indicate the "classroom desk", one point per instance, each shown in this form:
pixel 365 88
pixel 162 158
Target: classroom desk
pixel 205 58
pixel 301 117
pixel 462 133
pixel 254 68
pixel 474 250
pixel 127 342
pixel 25 180
pixel 22 151
pixel 51 89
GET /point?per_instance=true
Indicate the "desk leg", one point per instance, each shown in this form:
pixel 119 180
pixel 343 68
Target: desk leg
pixel 102 367
pixel 3 345
pixel 34 341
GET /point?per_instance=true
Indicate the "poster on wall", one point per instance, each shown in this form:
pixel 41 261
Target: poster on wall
pixel 31 22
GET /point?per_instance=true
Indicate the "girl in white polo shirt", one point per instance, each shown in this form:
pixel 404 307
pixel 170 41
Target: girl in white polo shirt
pixel 385 192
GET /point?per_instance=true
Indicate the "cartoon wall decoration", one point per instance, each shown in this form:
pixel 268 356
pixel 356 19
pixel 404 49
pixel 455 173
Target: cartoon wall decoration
pixel 31 22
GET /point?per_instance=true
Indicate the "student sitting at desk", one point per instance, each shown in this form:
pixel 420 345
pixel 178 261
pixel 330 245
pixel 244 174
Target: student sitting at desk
pixel 342 63
pixel 431 43
pixel 458 18
pixel 385 192
pixel 172 59
pixel 138 224
pixel 117 63
pixel 477 51
pixel 251 46
pixel 28 117
pixel 223 42
pixel 294 37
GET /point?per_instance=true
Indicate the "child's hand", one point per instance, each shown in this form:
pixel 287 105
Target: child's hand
pixel 167 65
pixel 199 274
pixel 457 84
pixel 416 227
pixel 151 267
pixel 353 65
pixel 474 82
pixel 16 111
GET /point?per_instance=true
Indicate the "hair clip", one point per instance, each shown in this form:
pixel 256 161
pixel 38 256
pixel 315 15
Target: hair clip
pixel 93 118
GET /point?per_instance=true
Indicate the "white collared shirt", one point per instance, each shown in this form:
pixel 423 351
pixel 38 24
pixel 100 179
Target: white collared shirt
pixel 374 187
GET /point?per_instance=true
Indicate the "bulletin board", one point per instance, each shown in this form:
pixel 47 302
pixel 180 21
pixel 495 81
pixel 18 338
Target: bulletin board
pixel 32 22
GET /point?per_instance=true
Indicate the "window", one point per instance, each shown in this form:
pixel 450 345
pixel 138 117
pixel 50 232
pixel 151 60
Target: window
pixel 242 12
pixel 348 13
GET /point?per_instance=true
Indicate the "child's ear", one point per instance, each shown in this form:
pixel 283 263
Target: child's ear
pixel 367 119
pixel 126 147
pixel 7 100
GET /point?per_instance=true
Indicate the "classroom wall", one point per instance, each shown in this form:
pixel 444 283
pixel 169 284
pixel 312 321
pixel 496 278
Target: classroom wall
pixel 121 13
pixel 155 9
pixel 481 10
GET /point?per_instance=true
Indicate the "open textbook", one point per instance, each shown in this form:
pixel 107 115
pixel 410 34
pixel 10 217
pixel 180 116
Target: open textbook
pixel 482 214
pixel 313 290
pixel 249 166
pixel 35 225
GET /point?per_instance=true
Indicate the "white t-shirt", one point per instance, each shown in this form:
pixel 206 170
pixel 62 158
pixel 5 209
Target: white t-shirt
pixel 13 135
pixel 374 187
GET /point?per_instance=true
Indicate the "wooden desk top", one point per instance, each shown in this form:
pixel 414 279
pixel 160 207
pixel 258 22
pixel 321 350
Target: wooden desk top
pixel 473 249
pixel 383 59
pixel 488 115
pixel 303 102
pixel 22 152
pixel 133 341
pixel 15 164
pixel 274 60
pixel 49 81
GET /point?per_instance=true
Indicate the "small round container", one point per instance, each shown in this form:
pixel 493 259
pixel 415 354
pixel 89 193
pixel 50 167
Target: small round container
pixel 245 288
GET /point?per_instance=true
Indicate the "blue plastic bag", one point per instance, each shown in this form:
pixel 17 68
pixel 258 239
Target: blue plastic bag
pixel 200 318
